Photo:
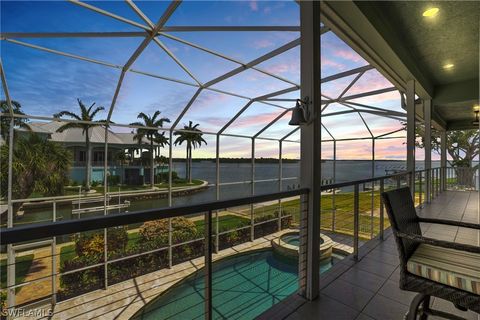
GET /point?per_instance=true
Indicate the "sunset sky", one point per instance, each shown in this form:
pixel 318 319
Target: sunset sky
pixel 45 83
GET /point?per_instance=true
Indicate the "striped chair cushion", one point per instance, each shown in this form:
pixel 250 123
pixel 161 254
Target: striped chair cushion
pixel 452 267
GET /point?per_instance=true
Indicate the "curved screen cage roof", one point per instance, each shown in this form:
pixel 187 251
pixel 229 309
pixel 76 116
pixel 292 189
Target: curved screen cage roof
pixel 189 72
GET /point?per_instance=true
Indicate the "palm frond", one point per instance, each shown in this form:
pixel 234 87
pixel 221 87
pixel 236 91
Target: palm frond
pixel 90 108
pixel 67 113
pixel 94 113
pixel 69 125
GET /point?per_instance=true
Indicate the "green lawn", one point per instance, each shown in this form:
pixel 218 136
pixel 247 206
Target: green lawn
pixel 22 265
pixel 344 212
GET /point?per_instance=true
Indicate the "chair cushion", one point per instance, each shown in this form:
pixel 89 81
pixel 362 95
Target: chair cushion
pixel 452 267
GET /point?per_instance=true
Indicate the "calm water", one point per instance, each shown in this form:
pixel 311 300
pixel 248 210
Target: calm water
pixel 238 172
pixel 243 286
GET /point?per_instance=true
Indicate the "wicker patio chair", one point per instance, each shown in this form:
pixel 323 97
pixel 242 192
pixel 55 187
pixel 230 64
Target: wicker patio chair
pixel 431 267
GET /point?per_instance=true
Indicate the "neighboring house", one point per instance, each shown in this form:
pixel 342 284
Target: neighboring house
pixel 124 155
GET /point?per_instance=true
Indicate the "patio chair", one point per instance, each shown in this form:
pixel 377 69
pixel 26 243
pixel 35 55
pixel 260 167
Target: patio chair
pixel 431 267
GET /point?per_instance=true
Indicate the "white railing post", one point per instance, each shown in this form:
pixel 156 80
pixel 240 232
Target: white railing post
pixel 356 221
pixel 54 258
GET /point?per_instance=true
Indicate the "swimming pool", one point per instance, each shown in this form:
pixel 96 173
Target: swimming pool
pixel 243 287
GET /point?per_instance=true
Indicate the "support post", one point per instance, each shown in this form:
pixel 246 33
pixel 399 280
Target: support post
pixel 54 258
pixel 427 112
pixel 382 210
pixel 356 220
pixel 373 189
pixel 252 189
pixel 310 150
pixel 208 265
pixel 217 189
pixel 10 253
pixel 280 186
pixel 105 205
pixel 334 208
pixel 411 134
pixel 443 157
pixel 170 167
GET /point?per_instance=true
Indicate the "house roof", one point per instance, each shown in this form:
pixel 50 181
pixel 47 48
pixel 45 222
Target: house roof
pixel 76 135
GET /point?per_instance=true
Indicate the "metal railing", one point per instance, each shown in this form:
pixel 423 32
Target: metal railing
pixel 358 222
pixel 461 178
pixel 22 235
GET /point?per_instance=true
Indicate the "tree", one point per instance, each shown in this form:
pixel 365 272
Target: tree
pixel 151 135
pixel 86 114
pixel 192 136
pixel 161 142
pixel 6 121
pixel 38 165
pixel 462 147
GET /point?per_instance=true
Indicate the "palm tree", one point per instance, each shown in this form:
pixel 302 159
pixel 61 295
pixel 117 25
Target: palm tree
pixel 193 138
pixel 161 142
pixel 151 135
pixel 86 114
pixel 38 165
pixel 6 121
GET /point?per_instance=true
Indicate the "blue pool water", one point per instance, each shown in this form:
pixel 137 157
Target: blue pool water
pixel 243 287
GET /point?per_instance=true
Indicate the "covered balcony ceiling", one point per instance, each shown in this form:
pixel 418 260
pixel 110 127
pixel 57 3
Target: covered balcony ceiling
pixel 440 52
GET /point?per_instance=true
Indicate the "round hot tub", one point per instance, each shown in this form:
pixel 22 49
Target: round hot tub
pixel 288 245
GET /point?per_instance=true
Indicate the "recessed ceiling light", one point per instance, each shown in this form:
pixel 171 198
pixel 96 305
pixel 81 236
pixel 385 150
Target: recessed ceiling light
pixel 430 13
pixel 448 66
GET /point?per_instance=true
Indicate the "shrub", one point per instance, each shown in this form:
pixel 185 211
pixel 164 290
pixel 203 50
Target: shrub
pixel 76 283
pixel 163 177
pixel 156 231
pixel 137 266
pixel 233 238
pixel 267 227
pixel 3 302
pixel 113 180
pixel 93 244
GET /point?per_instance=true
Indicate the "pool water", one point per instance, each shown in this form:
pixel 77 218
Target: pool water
pixel 244 286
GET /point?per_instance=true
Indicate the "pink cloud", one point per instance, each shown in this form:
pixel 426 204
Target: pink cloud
pixel 331 63
pixel 379 98
pixel 253 5
pixel 284 68
pixel 371 80
pixel 255 120
pixel 348 55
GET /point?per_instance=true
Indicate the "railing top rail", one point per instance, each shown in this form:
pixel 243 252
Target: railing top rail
pixel 356 182
pixel 47 230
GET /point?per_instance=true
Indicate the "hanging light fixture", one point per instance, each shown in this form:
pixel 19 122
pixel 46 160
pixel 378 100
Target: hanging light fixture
pixel 300 114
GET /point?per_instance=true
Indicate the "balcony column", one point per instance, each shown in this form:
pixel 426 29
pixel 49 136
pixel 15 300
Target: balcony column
pixel 310 150
pixel 443 159
pixel 427 112
pixel 411 134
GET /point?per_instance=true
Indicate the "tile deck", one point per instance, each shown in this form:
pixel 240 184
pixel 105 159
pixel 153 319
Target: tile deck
pixel 368 289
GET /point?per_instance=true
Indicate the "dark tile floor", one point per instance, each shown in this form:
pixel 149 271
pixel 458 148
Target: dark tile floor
pixel 369 289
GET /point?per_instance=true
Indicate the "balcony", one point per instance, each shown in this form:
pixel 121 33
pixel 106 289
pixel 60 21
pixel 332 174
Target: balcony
pixel 254 106
pixel 368 289
pixel 359 281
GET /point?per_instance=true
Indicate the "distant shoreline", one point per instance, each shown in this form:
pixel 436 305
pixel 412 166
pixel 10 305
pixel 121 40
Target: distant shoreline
pixel 273 160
